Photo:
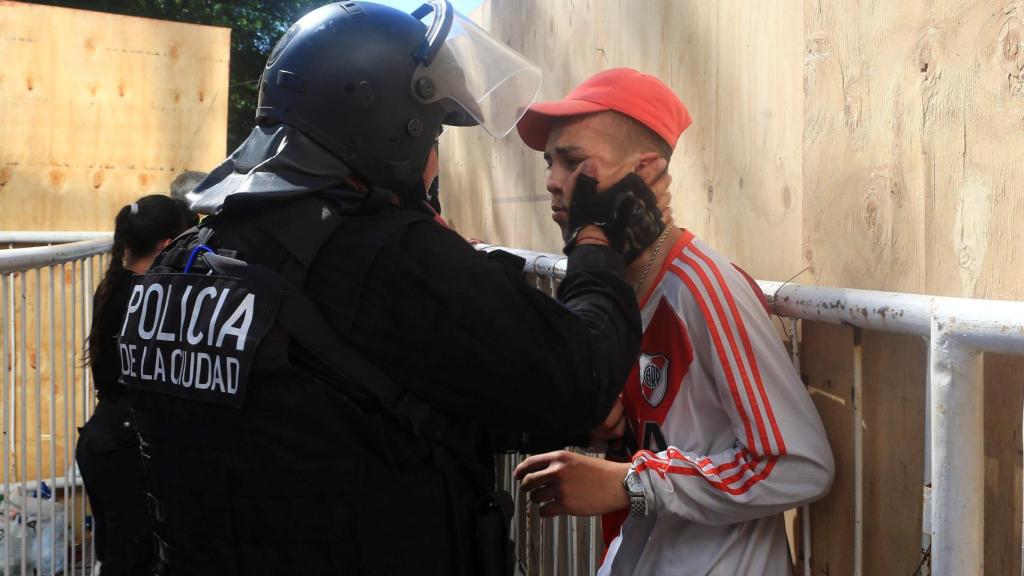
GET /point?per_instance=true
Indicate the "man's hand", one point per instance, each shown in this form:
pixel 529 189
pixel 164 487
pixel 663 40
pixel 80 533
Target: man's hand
pixel 655 175
pixel 564 482
pixel 631 212
pixel 613 427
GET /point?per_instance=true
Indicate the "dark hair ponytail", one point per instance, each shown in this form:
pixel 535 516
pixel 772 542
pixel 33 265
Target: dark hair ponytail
pixel 138 229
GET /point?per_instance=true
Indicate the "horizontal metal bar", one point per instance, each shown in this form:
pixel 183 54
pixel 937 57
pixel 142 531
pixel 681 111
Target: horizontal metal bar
pixel 887 311
pixel 59 482
pixel 48 236
pixel 19 259
pixel 539 263
pixel 983 325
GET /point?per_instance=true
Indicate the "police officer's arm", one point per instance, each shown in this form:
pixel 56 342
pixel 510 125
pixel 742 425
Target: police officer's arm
pixel 469 335
pixel 567 359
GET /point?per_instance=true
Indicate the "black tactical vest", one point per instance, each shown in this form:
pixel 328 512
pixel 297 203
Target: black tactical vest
pixel 262 457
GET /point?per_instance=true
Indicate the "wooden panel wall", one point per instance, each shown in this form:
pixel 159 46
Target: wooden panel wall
pixel 913 157
pixel 99 109
pixel 879 144
pixel 914 145
pixel 736 66
pixel 95 111
pixel 893 421
pixel 829 377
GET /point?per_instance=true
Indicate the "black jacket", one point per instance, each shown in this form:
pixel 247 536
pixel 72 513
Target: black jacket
pixel 461 330
pixel 465 331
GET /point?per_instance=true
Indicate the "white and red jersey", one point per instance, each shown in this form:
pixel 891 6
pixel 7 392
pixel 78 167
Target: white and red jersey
pixel 729 437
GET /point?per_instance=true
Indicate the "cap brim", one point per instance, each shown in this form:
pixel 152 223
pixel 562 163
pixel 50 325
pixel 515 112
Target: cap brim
pixel 535 125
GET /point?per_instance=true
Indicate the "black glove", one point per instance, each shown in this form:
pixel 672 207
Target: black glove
pixel 627 212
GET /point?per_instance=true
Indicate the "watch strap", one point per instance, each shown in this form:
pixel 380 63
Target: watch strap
pixel 637 498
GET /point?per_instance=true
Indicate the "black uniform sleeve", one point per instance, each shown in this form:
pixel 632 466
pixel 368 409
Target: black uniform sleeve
pixel 466 333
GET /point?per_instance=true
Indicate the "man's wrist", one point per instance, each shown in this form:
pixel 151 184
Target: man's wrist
pixel 591 234
pixel 633 484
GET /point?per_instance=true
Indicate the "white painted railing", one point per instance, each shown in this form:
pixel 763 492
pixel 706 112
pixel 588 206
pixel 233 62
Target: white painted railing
pixel 45 313
pixel 45 307
pixel 959 330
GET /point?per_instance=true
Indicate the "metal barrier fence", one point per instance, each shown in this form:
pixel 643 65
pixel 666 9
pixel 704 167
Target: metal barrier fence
pixel 548 546
pixel 45 311
pixel 45 314
pixel 959 330
pixel 572 546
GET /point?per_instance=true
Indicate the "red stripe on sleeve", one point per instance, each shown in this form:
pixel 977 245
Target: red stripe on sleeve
pixel 663 467
pixel 705 465
pixel 723 354
pixel 748 348
pixel 717 338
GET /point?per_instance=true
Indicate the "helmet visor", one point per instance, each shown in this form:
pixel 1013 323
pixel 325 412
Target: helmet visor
pixel 490 82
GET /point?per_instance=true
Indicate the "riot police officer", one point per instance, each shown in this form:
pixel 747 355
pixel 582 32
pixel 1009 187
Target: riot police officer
pixel 322 372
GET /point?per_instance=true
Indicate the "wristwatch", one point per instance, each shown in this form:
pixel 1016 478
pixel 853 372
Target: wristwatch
pixel 634 486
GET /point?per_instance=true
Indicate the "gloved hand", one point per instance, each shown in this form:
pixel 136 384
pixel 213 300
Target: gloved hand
pixel 627 213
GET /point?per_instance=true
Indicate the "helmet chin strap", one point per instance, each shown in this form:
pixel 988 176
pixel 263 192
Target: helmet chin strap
pixel 432 196
pixel 419 198
pixel 414 197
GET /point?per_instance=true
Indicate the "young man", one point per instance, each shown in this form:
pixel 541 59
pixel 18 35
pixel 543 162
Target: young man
pixel 722 436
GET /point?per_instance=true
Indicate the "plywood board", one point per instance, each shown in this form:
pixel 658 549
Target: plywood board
pixel 895 380
pixel 99 109
pixel 1004 400
pixel 864 206
pixel 95 111
pixel 913 152
pixel 881 144
pixel 914 145
pixel 827 369
pixel 973 145
pixel 737 170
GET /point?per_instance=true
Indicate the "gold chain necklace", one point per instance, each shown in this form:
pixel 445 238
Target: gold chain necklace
pixel 654 256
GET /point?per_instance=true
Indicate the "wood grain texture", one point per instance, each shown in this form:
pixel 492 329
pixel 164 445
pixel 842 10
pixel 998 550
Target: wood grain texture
pixel 1004 400
pixel 827 369
pixel 895 374
pixel 913 152
pixel 95 111
pixel 880 144
pixel 99 109
pixel 914 146
pixel 737 170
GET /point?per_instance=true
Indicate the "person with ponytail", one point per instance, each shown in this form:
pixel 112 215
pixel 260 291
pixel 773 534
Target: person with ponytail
pixel 108 451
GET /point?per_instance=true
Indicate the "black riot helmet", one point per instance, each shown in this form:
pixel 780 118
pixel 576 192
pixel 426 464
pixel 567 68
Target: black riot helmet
pixel 373 85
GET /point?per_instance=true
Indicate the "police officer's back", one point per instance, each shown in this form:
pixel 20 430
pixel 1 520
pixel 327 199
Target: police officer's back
pixel 322 371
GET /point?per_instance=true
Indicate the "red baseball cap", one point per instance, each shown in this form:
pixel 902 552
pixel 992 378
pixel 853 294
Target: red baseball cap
pixel 640 96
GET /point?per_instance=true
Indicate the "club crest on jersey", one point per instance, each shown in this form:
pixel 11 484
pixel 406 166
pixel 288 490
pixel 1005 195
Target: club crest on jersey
pixel 653 377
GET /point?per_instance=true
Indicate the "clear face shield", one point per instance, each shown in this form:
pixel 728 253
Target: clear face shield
pixel 490 83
